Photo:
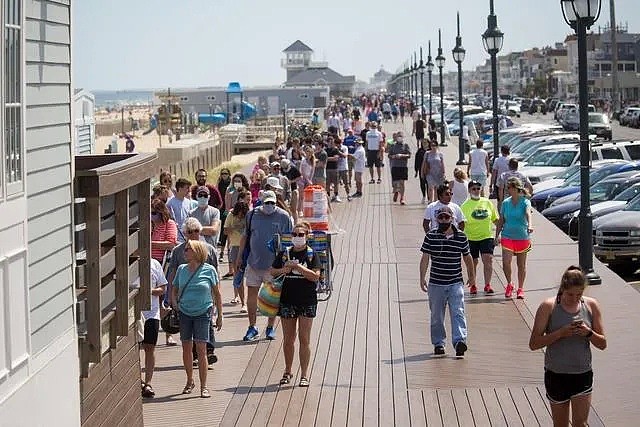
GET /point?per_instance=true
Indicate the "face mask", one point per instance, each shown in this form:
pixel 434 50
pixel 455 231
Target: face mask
pixel 203 201
pixel 299 241
pixel 155 217
pixel 400 139
pixel 237 185
pixel 442 228
pixel 474 196
pixel 268 209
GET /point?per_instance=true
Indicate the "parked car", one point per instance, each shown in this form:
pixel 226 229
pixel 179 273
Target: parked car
pixel 537 105
pixel 562 109
pixel 634 119
pixel 626 114
pixel 542 166
pixel 605 190
pixel 543 199
pixel 600 126
pixel 557 180
pixel 570 120
pixel 597 210
pixel 617 238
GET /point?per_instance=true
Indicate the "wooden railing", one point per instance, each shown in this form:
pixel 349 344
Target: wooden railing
pixel 113 248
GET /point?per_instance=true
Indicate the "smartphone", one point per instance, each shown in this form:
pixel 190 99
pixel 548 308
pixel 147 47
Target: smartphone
pixel 577 321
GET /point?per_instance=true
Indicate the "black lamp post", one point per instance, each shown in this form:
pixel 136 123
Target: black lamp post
pixel 421 68
pixel 415 75
pixel 410 72
pixel 440 60
pixel 492 40
pixel 580 15
pixel 458 56
pixel 429 67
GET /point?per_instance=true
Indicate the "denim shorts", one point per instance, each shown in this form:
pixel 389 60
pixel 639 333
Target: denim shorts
pixel 195 328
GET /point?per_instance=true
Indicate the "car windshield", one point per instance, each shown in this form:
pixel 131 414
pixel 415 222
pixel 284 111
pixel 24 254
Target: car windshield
pixel 562 159
pixel 594 176
pixel 569 172
pixel 603 191
pixel 540 158
pixel 598 118
pixel 634 205
pixel 629 193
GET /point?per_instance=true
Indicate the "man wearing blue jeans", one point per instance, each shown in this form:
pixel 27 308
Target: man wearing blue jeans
pixel 446 246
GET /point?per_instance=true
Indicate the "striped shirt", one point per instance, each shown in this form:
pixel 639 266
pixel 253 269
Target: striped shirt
pixel 446 260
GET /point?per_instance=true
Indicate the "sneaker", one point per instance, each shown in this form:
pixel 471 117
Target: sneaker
pixel 473 290
pixel 379 181
pixel 336 199
pixel 333 199
pixel 488 289
pixel 212 358
pixel 243 309
pixel 461 347
pixel 508 293
pixel 357 194
pixel 252 334
pixel 349 198
pixel 395 196
pixel 403 202
pixel 439 350
pixel 270 333
pixel 520 293
pixel 373 181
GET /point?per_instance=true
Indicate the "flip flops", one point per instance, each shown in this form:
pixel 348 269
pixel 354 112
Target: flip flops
pixel 286 378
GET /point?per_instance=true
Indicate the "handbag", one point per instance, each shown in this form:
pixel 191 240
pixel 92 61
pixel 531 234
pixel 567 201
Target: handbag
pixel 269 296
pixel 171 321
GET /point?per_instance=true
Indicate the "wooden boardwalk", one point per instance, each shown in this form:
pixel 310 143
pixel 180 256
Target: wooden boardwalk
pixel 372 360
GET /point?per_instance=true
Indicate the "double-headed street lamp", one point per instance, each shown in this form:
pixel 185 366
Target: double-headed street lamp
pixel 429 67
pixel 440 60
pixel 421 69
pixel 580 15
pixel 492 40
pixel 458 57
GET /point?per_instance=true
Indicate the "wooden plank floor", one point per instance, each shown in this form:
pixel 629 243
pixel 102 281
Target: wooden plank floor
pixel 371 358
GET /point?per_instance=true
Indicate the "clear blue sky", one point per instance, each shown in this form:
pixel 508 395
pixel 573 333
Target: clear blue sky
pixel 142 44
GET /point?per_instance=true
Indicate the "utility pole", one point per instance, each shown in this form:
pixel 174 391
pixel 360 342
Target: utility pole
pixel 615 85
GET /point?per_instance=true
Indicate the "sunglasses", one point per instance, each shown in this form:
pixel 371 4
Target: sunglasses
pixel 444 217
pixel 192 231
pixel 298 234
pixel 475 189
pixel 269 203
pixel 202 195
pixel 168 182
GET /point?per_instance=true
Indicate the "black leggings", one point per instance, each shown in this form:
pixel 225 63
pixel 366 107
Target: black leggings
pixel 423 185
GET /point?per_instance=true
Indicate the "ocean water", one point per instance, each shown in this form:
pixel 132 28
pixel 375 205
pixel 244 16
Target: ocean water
pixel 112 98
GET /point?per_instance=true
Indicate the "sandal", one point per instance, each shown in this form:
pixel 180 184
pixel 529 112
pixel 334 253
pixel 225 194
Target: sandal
pixel 189 388
pixel 204 393
pixel 286 379
pixel 147 391
pixel 234 301
pixel 228 275
pixel 304 382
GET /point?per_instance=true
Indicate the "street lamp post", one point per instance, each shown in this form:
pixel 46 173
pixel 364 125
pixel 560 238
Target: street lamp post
pixel 421 68
pixel 429 67
pixel 440 60
pixel 415 77
pixel 580 15
pixel 492 40
pixel 458 57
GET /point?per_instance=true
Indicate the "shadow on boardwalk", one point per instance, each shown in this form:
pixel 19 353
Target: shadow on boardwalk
pixel 372 360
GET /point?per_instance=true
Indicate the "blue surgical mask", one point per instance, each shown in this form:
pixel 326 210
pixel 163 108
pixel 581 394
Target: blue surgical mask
pixel 268 209
pixel 203 201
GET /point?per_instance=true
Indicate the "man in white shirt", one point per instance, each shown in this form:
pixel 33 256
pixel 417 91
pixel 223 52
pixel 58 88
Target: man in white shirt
pixel 429 222
pixel 359 164
pixel 464 136
pixel 151 320
pixel 478 169
pixel 500 166
pixel 375 144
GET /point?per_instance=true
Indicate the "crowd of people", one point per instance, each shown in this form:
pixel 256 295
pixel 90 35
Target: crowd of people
pixel 195 225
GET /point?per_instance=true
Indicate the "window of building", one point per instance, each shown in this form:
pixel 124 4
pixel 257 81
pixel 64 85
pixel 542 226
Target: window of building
pixel 630 67
pixel 12 117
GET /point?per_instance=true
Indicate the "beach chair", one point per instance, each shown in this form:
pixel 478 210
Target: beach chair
pixel 320 242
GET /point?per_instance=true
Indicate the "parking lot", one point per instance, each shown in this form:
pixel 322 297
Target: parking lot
pixel 619 133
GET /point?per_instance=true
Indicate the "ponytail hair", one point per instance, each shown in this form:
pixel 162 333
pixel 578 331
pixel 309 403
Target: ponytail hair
pixel 572 277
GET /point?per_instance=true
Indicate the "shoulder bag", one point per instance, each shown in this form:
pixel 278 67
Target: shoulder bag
pixel 171 321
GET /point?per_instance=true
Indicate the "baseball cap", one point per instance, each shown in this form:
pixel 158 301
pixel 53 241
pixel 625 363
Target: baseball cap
pixel 444 214
pixel 275 164
pixel 268 196
pixel 202 189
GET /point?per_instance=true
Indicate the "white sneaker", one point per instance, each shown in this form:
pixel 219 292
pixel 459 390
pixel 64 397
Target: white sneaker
pixel 243 309
pixel 337 199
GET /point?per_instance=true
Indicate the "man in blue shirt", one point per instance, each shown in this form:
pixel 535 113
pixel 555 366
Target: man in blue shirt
pixel 350 142
pixel 179 206
pixel 373 116
pixel 261 224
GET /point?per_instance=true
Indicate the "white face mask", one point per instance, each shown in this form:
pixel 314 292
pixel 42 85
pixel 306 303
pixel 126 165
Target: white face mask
pixel 474 196
pixel 400 139
pixel 203 201
pixel 237 185
pixel 268 209
pixel 299 241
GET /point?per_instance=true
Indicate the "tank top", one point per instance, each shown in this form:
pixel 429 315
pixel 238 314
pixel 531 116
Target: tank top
pixel 570 355
pixel 460 192
pixel 478 162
